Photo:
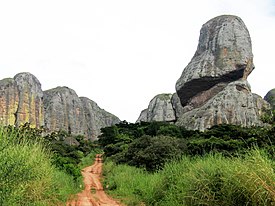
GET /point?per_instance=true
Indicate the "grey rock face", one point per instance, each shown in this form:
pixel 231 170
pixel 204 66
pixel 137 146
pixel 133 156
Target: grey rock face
pixel 160 109
pixel 96 118
pixel 270 98
pixel 223 55
pixel 64 111
pixel 213 88
pixel 21 100
pixel 143 116
pixel 30 107
pixel 235 104
pixel 178 109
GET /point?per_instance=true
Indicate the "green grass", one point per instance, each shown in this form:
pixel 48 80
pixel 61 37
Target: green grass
pixel 90 158
pixel 209 180
pixel 131 185
pixel 27 176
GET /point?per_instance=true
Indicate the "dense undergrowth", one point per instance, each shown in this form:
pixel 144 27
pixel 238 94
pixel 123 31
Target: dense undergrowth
pixel 209 180
pixel 160 163
pixel 150 145
pixel 38 170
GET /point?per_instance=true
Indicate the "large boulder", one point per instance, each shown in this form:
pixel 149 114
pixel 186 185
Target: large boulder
pixel 21 100
pixel 160 109
pixel 270 98
pixel 96 118
pixel 213 88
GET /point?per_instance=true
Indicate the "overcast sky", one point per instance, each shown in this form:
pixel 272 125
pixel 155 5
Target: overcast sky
pixel 121 53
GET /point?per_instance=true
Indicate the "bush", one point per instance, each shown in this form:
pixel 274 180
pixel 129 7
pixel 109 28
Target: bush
pixel 152 152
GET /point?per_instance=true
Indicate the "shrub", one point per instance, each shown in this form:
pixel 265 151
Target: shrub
pixel 152 152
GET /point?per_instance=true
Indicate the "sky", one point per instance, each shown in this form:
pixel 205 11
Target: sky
pixel 121 53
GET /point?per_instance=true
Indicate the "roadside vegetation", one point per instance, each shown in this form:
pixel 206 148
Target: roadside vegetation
pixel 209 180
pixel 161 164
pixel 153 163
pixel 38 170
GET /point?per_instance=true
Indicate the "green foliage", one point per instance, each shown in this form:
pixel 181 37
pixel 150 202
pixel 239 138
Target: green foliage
pixel 152 152
pixel 204 180
pixel 27 176
pixel 150 145
pixel 67 157
pixel 90 158
pixel 269 116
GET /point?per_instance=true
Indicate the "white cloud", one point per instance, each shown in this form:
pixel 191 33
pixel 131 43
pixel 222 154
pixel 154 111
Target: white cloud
pixel 122 53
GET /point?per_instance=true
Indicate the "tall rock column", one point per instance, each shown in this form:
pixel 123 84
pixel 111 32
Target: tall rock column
pixel 21 101
pixel 213 87
pixel 64 111
pixel 30 107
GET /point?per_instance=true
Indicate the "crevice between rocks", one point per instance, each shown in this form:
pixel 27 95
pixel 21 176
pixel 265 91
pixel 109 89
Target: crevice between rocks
pixel 196 86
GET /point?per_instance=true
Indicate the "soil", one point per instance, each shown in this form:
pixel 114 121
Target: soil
pixel 93 194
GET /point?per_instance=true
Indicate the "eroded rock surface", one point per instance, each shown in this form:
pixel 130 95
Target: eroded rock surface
pixel 96 118
pixel 64 111
pixel 235 104
pixel 60 109
pixel 21 100
pixel 213 88
pixel 160 109
pixel 223 55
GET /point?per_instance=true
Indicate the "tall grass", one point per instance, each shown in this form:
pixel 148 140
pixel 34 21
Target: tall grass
pixel 131 185
pixel 210 180
pixel 27 176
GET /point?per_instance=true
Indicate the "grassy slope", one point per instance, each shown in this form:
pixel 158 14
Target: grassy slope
pixel 209 180
pixel 27 176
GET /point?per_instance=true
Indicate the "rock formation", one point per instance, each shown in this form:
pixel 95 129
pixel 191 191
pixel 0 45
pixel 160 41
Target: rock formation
pixel 270 98
pixel 213 87
pixel 96 118
pixel 160 109
pixel 22 100
pixel 64 111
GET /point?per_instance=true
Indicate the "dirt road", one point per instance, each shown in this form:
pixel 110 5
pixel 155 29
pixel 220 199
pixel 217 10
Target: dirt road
pixel 93 194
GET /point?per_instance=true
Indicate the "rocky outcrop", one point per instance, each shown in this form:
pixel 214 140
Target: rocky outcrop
pixel 160 109
pixel 270 98
pixel 64 111
pixel 96 118
pixel 223 55
pixel 213 88
pixel 235 104
pixel 21 100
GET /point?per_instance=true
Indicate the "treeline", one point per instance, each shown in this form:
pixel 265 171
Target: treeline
pixel 150 145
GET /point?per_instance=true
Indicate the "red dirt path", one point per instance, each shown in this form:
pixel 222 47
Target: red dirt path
pixel 92 183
